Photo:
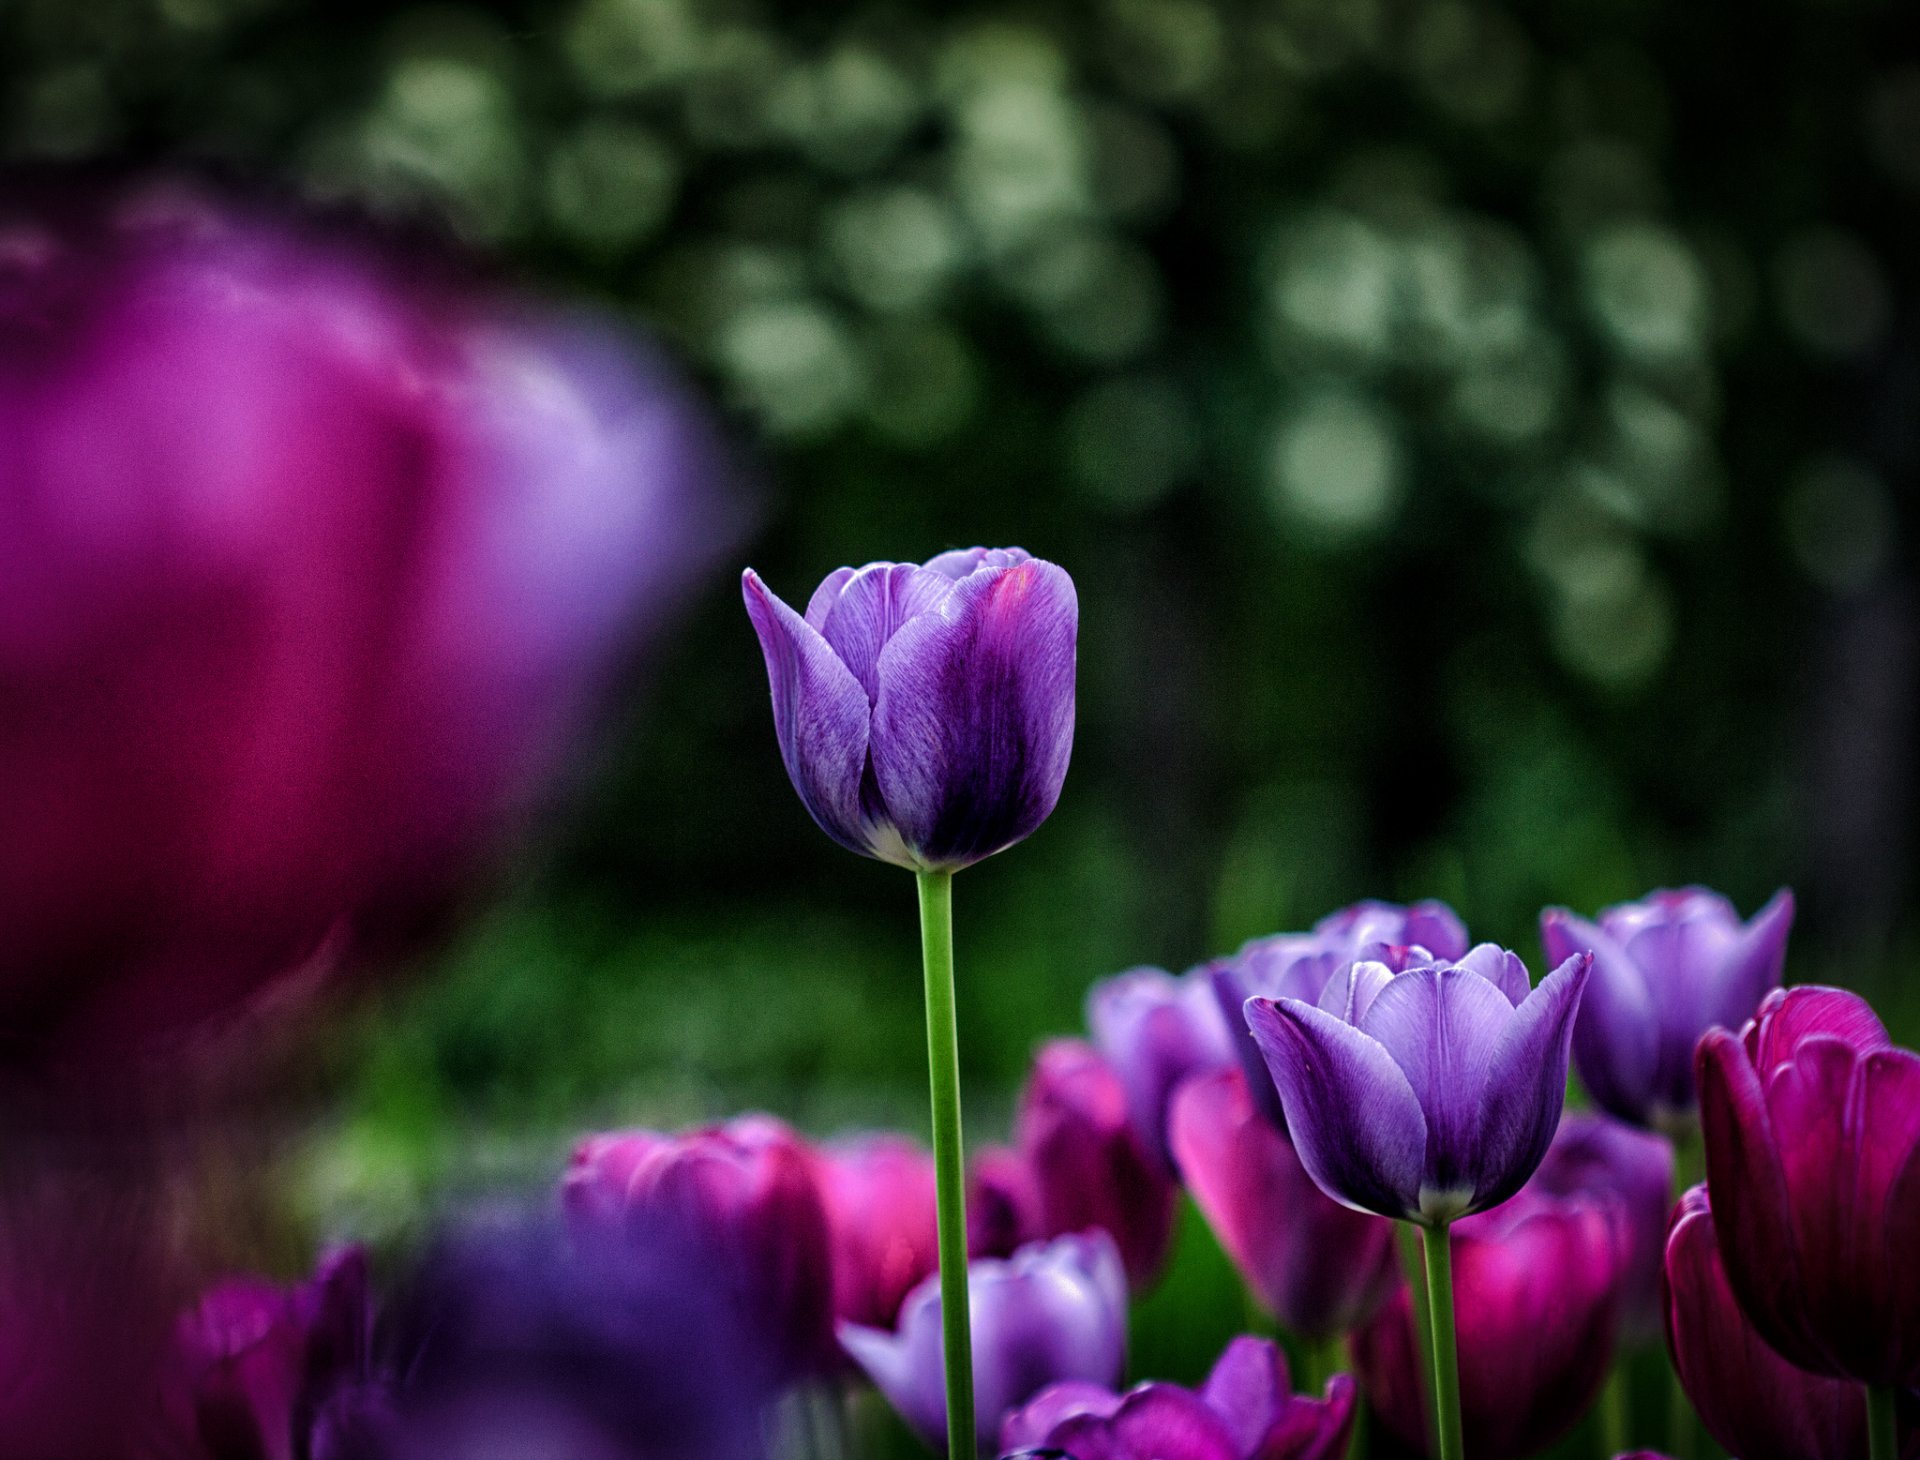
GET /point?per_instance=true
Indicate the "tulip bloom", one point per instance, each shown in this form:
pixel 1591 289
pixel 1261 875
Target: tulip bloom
pixel 881 1209
pixel 1665 970
pixel 750 1189
pixel 1246 1410
pixel 1812 1125
pixel 925 713
pixel 1155 1030
pixel 1539 1284
pixel 1319 1267
pixel 1052 1312
pixel 1003 1202
pixel 1602 1158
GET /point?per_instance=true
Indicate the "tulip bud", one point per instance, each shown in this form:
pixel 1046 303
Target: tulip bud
pixel 1155 1030
pixel 1605 1159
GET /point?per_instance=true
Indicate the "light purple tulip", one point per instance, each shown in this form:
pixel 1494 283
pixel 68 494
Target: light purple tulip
pixel 925 713
pixel 1053 1311
pixel 1428 1093
pixel 1156 1030
pixel 1665 970
pixel 1246 1410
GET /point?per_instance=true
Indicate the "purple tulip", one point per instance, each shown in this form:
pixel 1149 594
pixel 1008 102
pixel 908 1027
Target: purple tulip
pixel 1537 1291
pixel 1300 965
pixel 1750 1399
pixel 1428 1093
pixel 1053 1311
pixel 1321 1268
pixel 1812 1125
pixel 1246 1410
pixel 1595 1156
pixel 751 1190
pixel 925 713
pixel 1155 1030
pixel 1665 970
pixel 879 1193
pixel 311 559
pixel 1003 1202
pixel 1090 1167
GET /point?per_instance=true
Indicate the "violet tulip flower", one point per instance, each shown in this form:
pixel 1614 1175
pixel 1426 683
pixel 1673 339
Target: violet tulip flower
pixel 1424 1094
pixel 313 558
pixel 1246 1410
pixel 925 712
pixel 1811 1118
pixel 750 1189
pixel 1003 1202
pixel 1053 1311
pixel 881 1210
pixel 1539 1288
pixel 1319 1267
pixel 1155 1030
pixel 1665 970
pixel 1597 1156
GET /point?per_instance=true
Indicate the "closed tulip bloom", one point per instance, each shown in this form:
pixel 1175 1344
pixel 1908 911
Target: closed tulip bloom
pixel 1665 970
pixel 880 1206
pixel 1053 1311
pixel 1246 1410
pixel 1428 1093
pixel 1811 1119
pixel 1155 1030
pixel 1537 1286
pixel 1319 1267
pixel 925 712
pixel 1596 1156
pixel 1090 1167
pixel 750 1188
pixel 1003 1202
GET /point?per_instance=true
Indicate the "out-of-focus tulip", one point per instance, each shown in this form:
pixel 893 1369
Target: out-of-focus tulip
pixel 925 712
pixel 1812 1125
pixel 1054 1311
pixel 1593 1155
pixel 1246 1410
pixel 1090 1167
pixel 1155 1030
pixel 1537 1285
pixel 1003 1202
pixel 311 559
pixel 1665 970
pixel 1319 1267
pixel 1750 1399
pixel 750 1188
pixel 1300 965
pixel 1428 1093
pixel 879 1193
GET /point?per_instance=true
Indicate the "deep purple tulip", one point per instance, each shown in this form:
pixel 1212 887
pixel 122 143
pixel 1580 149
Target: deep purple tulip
pixel 1812 1125
pixel 1596 1156
pixel 1665 970
pixel 1319 1267
pixel 1003 1202
pixel 1300 965
pixel 925 713
pixel 311 558
pixel 1155 1030
pixel 1428 1093
pixel 750 1188
pixel 1536 1299
pixel 1053 1311
pixel 1246 1410
pixel 879 1191
pixel 1090 1167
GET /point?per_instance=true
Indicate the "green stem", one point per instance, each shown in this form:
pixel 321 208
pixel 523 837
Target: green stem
pixel 943 1063
pixel 1883 1440
pixel 1446 1363
pixel 1613 1410
pixel 1410 1267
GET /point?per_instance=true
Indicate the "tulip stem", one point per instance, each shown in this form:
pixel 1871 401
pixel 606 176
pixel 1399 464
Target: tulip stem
pixel 1446 1359
pixel 1883 1442
pixel 949 1164
pixel 1410 1260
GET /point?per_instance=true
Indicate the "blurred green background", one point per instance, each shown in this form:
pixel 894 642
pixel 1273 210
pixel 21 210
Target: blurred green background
pixel 1483 436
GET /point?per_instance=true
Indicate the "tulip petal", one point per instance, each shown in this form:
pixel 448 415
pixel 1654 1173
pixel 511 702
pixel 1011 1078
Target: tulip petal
pixel 1754 966
pixel 1501 968
pixel 1355 1120
pixel 1169 1423
pixel 871 607
pixel 1526 1084
pixel 973 722
pixel 826 596
pixel 1248 1388
pixel 1788 1016
pixel 820 716
pixel 1616 1039
pixel 1029 1426
pixel 1884 1125
pixel 1314 1429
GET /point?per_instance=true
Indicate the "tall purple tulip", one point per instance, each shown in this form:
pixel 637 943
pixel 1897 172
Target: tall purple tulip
pixel 1053 1311
pixel 1606 1159
pixel 1321 1268
pixel 1246 1410
pixel 1155 1030
pixel 1665 970
pixel 1812 1124
pixel 312 557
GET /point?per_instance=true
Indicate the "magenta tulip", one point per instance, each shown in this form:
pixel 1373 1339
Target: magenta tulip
pixel 1003 1202
pixel 1606 1159
pixel 880 1206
